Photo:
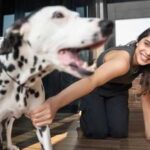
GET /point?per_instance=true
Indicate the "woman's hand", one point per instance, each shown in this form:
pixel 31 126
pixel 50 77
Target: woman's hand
pixel 44 114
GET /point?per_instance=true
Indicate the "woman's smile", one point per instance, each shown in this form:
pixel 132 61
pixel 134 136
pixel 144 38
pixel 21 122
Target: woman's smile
pixel 144 57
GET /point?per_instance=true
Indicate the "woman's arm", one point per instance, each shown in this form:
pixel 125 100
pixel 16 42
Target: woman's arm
pixel 103 74
pixel 146 114
pixel 110 69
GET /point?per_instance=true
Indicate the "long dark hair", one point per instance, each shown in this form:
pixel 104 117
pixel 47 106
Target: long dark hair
pixel 145 81
pixel 145 78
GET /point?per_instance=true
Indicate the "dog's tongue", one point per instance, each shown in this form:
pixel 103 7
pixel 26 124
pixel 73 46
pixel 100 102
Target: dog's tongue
pixel 70 58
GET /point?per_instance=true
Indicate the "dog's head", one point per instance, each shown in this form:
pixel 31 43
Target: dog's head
pixel 58 35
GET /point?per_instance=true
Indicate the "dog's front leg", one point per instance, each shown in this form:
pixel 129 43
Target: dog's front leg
pixel 9 125
pixel 43 135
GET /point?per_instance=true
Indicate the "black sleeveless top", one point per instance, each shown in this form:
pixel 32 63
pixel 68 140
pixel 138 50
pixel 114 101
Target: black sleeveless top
pixel 122 83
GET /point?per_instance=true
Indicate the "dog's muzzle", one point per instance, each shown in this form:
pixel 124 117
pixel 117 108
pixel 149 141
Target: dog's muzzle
pixel 70 56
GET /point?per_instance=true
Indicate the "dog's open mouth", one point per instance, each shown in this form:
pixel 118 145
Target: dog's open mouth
pixel 70 57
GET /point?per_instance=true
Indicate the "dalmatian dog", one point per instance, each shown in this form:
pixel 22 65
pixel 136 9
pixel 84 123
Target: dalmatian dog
pixel 34 46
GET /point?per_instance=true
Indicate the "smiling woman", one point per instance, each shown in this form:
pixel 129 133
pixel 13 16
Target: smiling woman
pixel 142 54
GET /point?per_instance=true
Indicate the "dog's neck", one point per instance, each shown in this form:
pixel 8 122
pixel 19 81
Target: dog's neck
pixel 23 65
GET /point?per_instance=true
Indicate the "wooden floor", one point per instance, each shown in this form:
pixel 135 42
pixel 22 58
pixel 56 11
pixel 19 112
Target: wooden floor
pixel 66 137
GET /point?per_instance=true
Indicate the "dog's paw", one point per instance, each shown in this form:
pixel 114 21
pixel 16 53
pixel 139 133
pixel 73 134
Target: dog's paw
pixel 13 147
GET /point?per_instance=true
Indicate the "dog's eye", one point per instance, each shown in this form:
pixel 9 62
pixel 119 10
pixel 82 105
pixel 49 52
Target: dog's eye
pixel 57 14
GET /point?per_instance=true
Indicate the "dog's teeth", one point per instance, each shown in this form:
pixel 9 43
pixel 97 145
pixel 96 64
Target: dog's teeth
pixel 73 65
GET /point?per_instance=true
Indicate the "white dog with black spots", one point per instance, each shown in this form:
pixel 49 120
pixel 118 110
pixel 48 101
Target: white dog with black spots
pixel 48 39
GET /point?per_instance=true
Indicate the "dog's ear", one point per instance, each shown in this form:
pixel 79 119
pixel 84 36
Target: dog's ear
pixel 13 36
pixel 10 41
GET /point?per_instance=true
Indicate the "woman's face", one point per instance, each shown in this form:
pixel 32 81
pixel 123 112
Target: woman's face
pixel 142 52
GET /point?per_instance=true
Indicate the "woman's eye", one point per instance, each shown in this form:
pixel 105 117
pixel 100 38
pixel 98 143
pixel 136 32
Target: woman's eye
pixel 147 44
pixel 57 14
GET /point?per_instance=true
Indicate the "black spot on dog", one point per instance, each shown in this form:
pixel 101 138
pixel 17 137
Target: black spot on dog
pixel 37 94
pixel 17 97
pixel 31 91
pixel 6 81
pixel 25 101
pixel 11 68
pixel 22 58
pixel 40 68
pixel 40 75
pixel 1 81
pixel 27 95
pixel 35 60
pixel 3 92
pixel 32 70
pixel 41 134
pixel 18 89
pixel 20 64
pixel 16 54
pixel 26 60
pixel 29 43
pixel 41 130
pixel 32 80
pixel 18 76
pixel 44 71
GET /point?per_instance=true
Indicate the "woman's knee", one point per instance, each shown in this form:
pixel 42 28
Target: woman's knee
pixel 95 134
pixel 94 131
pixel 122 133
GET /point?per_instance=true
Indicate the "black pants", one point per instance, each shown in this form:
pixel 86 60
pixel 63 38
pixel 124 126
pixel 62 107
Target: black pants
pixel 104 116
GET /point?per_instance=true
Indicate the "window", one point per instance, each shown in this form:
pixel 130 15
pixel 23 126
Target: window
pixel 81 10
pixel 7 21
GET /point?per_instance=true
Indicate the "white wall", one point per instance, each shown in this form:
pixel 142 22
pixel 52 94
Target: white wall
pixel 127 30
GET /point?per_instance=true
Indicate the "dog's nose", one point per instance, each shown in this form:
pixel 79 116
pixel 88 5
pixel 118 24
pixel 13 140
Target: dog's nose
pixel 106 27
